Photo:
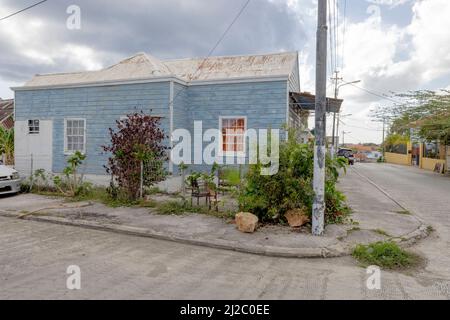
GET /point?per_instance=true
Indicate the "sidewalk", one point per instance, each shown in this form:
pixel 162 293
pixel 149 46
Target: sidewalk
pixel 379 219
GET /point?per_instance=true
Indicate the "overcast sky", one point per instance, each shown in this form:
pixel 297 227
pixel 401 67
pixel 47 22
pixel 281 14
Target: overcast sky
pixel 390 45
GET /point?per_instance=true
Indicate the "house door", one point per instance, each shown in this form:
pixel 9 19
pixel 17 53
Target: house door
pixel 33 146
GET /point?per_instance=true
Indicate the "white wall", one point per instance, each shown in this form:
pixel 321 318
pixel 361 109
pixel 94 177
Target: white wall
pixel 39 145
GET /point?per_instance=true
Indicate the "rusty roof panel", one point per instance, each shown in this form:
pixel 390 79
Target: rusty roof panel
pixel 143 66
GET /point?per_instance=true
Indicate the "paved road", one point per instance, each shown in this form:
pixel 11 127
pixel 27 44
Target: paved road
pixel 427 195
pixel 34 257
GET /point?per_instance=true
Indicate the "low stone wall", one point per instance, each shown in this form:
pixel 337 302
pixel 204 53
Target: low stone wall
pixel 430 164
pixel 395 158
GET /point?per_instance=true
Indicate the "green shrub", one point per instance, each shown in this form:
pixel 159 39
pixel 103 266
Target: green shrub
pixel 385 255
pixel 70 183
pixel 173 207
pixel 232 176
pixel 270 197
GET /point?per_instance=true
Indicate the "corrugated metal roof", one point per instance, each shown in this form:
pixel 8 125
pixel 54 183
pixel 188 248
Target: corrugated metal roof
pixel 280 64
pixel 6 113
pixel 143 66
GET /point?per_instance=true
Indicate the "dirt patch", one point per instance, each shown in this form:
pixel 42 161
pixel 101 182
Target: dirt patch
pixel 89 216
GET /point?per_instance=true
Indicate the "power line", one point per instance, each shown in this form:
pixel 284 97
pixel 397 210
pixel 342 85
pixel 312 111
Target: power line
pixel 336 33
pixel 330 29
pixel 343 34
pixel 376 94
pixel 17 12
pixel 223 35
pixel 357 127
pixel 213 48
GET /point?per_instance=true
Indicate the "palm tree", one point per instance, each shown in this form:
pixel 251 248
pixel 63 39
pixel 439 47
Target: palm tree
pixel 7 145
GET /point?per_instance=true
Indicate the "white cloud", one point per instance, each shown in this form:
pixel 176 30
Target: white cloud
pixel 390 3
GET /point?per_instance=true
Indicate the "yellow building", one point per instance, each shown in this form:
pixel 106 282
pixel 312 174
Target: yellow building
pixel 422 156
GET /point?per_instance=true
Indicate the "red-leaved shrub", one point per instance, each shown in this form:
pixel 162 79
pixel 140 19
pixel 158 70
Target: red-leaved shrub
pixel 137 139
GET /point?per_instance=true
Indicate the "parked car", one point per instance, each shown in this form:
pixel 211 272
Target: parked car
pixel 347 154
pixel 9 180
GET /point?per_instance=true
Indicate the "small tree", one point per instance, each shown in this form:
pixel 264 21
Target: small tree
pixel 7 145
pixel 70 184
pixel 137 153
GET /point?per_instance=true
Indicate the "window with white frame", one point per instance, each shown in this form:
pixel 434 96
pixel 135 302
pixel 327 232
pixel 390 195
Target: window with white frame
pixel 233 134
pixel 75 135
pixel 33 126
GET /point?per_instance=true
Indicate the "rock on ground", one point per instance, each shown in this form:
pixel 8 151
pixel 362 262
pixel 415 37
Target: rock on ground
pixel 246 222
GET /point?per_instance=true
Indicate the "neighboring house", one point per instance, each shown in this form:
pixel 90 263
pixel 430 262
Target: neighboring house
pixel 57 114
pixel 432 156
pixel 7 114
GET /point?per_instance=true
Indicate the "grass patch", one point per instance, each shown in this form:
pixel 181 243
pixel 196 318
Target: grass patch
pixel 430 229
pixel 349 231
pixel 403 212
pixel 183 207
pixel 386 255
pixel 99 194
pixel 148 204
pixel 382 232
pixel 174 208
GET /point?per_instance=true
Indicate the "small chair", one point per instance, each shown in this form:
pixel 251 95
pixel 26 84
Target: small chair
pixel 199 189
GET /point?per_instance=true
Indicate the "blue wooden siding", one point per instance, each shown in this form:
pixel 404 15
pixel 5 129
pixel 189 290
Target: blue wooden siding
pixel 100 106
pixel 263 103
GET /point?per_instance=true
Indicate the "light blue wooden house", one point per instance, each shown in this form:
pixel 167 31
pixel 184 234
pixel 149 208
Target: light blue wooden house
pixel 57 114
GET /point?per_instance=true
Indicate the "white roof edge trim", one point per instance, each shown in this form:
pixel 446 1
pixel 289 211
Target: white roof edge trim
pixel 100 83
pixel 150 80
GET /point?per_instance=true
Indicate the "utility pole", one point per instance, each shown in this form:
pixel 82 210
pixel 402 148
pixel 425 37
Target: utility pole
pixel 318 213
pixel 343 137
pixel 384 145
pixel 336 88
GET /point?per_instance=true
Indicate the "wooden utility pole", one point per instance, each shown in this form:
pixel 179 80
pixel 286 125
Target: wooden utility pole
pixel 318 214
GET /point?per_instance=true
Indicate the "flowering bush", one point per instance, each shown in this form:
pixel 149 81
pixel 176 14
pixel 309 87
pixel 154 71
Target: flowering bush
pixel 138 153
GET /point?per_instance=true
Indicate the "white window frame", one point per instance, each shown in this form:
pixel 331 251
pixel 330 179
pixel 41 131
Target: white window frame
pixel 68 152
pixel 38 127
pixel 239 154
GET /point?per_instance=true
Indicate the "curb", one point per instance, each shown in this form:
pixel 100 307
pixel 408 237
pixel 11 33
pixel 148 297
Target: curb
pixel 334 251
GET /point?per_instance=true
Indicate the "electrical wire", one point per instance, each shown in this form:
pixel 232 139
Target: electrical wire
pixel 213 48
pixel 330 29
pixel 223 36
pixel 336 33
pixel 376 94
pixel 343 35
pixel 22 10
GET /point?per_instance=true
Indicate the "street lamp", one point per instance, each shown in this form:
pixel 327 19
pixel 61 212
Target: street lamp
pixel 336 94
pixel 343 137
pixel 339 121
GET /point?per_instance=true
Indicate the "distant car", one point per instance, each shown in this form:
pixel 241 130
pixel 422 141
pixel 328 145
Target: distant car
pixel 347 154
pixel 9 180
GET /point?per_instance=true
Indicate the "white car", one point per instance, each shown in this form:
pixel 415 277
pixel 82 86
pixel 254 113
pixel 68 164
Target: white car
pixel 9 180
